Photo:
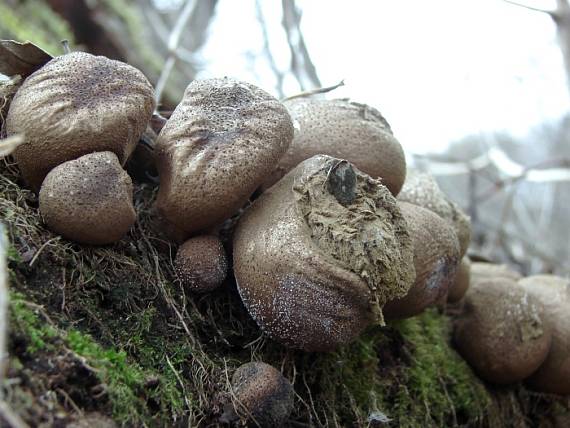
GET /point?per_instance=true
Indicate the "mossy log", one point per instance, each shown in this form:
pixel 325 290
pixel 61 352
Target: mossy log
pixel 107 333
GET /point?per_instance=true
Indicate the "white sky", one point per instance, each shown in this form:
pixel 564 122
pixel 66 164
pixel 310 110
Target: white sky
pixel 438 70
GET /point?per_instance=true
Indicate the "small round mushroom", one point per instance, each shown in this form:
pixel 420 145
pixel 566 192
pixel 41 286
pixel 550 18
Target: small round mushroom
pixel 436 257
pixel 77 104
pixel 201 263
pixel 263 396
pixel 318 255
pixel 481 271
pixel 346 130
pixel 553 376
pixel 502 332
pixel 89 200
pixel 461 284
pixel 218 146
pixel 422 189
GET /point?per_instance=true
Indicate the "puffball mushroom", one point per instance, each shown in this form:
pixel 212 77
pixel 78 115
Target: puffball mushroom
pixel 263 396
pixel 346 130
pixel 216 149
pixel 436 257
pixel 461 284
pixel 201 263
pixel 422 189
pixel 89 200
pixel 77 104
pixel 553 376
pixel 481 271
pixel 502 332
pixel 317 255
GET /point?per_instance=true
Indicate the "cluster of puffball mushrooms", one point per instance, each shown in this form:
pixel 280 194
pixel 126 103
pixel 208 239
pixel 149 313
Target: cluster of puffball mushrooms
pixel 340 236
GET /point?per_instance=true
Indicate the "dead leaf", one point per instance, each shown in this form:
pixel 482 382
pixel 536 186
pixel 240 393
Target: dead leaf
pixel 21 58
pixel 10 144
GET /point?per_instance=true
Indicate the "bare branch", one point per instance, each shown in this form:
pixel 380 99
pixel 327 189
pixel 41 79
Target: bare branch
pixel 173 41
pixel 500 160
pixel 301 64
pixel 315 91
pixel 279 75
pixel 552 13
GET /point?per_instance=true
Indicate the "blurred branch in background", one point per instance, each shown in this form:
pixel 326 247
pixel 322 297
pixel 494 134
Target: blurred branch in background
pixel 519 211
pixel 190 9
pixel 279 75
pixel 561 17
pixel 302 66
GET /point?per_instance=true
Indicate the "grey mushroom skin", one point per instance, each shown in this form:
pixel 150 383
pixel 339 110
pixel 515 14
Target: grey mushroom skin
pixel 296 291
pixel 436 258
pixel 89 199
pixel 218 146
pixel 502 331
pixel 264 397
pixel 346 130
pixel 422 189
pixel 553 376
pixel 74 105
pixel 461 284
pixel 201 263
pixel 481 271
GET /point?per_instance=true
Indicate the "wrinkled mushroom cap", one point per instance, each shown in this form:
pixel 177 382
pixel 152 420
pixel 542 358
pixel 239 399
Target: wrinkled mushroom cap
pixel 461 284
pixel 436 257
pixel 201 263
pixel 345 130
pixel 264 397
pixel 553 292
pixel 502 332
pixel 314 271
pixel 78 104
pixel 89 200
pixel 216 149
pixel 422 189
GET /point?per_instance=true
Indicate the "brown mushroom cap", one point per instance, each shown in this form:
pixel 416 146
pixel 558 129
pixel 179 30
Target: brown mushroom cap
pixel 422 189
pixel 481 271
pixel 345 130
pixel 220 143
pixel 461 284
pixel 502 332
pixel 318 254
pixel 89 200
pixel 263 396
pixel 553 376
pixel 78 104
pixel 436 257
pixel 201 263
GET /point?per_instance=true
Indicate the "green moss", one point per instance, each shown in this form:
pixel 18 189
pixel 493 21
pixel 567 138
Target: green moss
pixel 36 22
pixel 407 371
pixel 438 383
pixel 124 379
pixel 27 324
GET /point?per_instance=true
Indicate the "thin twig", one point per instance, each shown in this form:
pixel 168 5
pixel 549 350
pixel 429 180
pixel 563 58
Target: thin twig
pixel 179 379
pixel 301 64
pixel 13 420
pixel 3 304
pixel 315 91
pixel 279 75
pixel 552 13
